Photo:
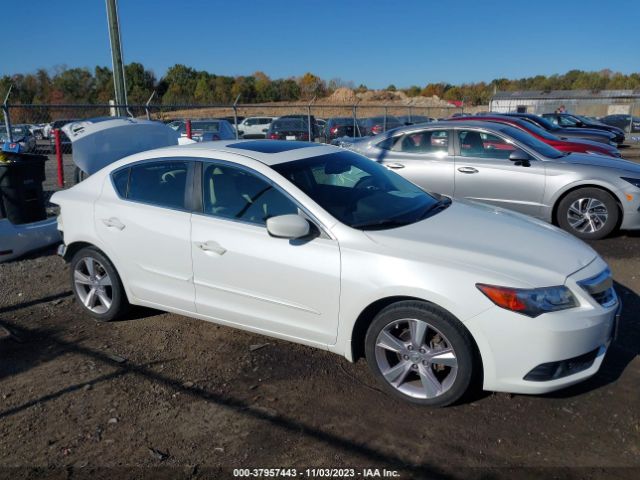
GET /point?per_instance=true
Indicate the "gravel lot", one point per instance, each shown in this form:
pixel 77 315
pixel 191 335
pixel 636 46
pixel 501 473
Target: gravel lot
pixel 163 396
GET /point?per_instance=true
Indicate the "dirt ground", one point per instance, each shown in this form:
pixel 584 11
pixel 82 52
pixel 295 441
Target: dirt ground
pixel 163 396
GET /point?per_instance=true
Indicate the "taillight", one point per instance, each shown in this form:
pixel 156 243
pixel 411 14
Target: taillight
pixel 304 136
pixel 334 130
pixel 376 129
pixel 273 136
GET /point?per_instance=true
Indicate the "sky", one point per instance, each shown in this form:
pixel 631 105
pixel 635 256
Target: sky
pixel 374 42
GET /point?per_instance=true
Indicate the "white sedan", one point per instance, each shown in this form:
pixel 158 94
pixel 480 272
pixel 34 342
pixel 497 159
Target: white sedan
pixel 322 246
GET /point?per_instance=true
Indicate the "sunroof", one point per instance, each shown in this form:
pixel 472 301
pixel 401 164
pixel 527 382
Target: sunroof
pixel 272 146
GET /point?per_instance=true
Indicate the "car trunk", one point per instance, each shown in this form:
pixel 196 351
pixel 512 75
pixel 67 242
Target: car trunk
pixel 99 143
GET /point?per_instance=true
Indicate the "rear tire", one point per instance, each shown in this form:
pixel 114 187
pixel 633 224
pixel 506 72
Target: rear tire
pixel 588 213
pixel 421 353
pixel 97 285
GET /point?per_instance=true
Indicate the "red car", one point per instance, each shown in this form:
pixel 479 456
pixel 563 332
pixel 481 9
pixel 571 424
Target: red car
pixel 579 146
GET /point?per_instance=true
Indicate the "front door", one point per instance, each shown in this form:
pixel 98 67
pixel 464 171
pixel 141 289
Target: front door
pixel 243 276
pixel 484 172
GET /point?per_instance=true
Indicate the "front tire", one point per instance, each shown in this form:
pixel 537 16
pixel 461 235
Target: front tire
pixel 420 353
pixel 97 286
pixel 588 213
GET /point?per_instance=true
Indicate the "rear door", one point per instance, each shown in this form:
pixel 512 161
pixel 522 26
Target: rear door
pixel 144 222
pixel 484 172
pixel 425 157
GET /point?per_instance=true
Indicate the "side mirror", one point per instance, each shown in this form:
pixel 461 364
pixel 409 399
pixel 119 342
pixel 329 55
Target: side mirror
pixel 580 123
pixel 519 156
pixel 288 226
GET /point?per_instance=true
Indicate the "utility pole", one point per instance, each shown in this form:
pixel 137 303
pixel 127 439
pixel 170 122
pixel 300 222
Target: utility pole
pixel 116 58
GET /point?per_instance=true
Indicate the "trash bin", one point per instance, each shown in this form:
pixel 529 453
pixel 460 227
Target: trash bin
pixel 21 196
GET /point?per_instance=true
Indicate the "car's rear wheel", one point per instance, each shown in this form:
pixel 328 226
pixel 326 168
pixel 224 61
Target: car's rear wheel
pixel 588 213
pixel 97 286
pixel 420 353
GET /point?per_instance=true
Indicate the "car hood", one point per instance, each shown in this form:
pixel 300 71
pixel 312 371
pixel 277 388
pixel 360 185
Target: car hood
pixel 583 132
pixel 504 244
pixel 600 161
pixel 587 143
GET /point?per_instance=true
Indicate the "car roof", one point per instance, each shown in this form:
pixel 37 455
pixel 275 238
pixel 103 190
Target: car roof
pixel 451 124
pixel 268 152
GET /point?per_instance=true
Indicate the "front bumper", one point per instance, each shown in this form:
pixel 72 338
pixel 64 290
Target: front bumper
pixel 513 345
pixel 630 201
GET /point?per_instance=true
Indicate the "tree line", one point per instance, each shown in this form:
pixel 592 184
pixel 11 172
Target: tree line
pixel 185 85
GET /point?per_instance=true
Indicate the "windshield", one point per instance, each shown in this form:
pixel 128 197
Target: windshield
pixel 534 128
pixel 290 124
pixel 543 122
pixel 532 142
pixel 359 192
pixel 206 126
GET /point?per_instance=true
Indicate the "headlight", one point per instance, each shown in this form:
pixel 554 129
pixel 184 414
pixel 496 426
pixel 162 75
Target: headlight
pixel 530 302
pixel 633 181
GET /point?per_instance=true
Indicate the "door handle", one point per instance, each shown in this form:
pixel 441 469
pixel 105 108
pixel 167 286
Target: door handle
pixel 394 165
pixel 212 246
pixel 113 223
pixel 467 170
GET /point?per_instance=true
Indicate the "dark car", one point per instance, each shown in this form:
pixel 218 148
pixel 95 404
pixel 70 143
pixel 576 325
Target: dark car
pixel 623 122
pixel 375 125
pixel 562 144
pixel 65 143
pixel 299 119
pixel 338 127
pixel 414 119
pixel 576 121
pixel 290 128
pixel 568 133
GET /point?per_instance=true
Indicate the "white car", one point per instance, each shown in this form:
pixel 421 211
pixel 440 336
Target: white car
pixel 254 127
pixel 321 246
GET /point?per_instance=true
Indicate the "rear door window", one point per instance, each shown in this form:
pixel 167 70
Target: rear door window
pixel 163 183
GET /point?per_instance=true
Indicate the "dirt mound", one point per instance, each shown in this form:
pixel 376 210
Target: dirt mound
pixel 342 95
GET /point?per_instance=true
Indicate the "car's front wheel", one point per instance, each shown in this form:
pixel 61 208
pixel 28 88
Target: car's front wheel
pixel 420 353
pixel 97 286
pixel 588 213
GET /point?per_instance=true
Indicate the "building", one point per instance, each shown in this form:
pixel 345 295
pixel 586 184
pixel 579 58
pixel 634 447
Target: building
pixel 582 102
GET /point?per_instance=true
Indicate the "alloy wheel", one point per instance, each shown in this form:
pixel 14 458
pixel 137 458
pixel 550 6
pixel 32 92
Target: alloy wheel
pixel 416 359
pixel 93 285
pixel 587 215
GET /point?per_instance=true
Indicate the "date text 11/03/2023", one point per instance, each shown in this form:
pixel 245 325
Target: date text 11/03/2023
pixel 315 473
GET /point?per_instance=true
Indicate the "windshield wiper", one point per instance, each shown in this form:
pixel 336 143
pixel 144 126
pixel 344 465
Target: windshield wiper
pixel 380 225
pixel 441 204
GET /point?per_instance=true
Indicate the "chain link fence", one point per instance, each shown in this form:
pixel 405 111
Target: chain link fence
pixel 43 119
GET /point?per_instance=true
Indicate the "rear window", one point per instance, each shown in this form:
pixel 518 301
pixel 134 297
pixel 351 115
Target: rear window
pixel 121 181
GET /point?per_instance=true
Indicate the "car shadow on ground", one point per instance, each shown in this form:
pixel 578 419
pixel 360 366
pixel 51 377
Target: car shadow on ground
pixel 38 339
pixel 622 351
